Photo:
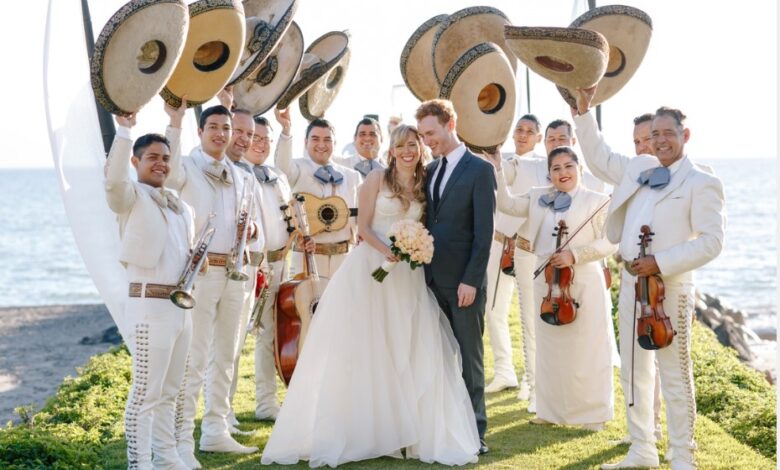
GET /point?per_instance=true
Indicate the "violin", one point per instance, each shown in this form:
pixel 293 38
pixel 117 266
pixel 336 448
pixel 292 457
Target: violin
pixel 508 257
pixel 558 307
pixel 653 327
pixel 296 303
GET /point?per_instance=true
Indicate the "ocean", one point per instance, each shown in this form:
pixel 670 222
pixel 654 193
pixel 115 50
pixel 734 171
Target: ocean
pixel 42 266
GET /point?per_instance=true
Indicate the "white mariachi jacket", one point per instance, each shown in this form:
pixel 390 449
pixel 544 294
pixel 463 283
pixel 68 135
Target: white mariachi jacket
pixel 300 174
pixel 187 177
pixel 688 217
pixel 590 244
pixel 142 223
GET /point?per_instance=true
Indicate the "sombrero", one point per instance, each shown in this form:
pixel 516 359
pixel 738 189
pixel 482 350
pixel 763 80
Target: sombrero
pixel 628 31
pixel 322 56
pixel 136 53
pixel 266 23
pixel 569 57
pixel 481 86
pixel 262 88
pixel 211 53
pixel 417 61
pixel 465 29
pixel 318 98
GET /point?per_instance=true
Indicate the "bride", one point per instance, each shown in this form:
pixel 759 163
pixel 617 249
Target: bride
pixel 380 371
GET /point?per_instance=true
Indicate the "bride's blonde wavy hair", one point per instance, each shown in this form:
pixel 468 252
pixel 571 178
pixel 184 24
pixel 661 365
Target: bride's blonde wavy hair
pixel 401 134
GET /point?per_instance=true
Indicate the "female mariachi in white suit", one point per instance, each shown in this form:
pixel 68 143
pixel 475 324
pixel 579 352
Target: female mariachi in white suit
pixel 573 361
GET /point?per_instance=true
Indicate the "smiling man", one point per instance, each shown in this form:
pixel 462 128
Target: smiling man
pixel 211 183
pixel 682 203
pixel 156 231
pixel 367 142
pixel 318 175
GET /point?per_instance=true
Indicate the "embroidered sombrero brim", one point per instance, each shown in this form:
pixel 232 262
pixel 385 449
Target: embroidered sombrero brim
pixel 569 57
pixel 320 58
pixel 463 30
pixel 481 86
pixel 628 31
pixel 211 52
pixel 417 61
pixel 136 53
pixel 266 23
pixel 321 95
pixel 260 91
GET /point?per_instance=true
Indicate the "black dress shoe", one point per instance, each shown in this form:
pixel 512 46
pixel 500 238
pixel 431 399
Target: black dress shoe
pixel 483 448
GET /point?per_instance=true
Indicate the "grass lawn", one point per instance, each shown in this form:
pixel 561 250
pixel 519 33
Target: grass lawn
pixel 514 442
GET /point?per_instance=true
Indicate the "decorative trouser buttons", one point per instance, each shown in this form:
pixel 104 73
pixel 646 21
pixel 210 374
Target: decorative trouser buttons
pixel 179 415
pixel 137 396
pixel 683 336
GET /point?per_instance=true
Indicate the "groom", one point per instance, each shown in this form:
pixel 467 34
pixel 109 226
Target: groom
pixel 461 195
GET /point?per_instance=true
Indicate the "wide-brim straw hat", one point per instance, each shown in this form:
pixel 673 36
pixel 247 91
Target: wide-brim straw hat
pixel 481 86
pixel 569 57
pixel 211 53
pixel 628 31
pixel 136 53
pixel 266 23
pixel 320 58
pixel 260 91
pixel 417 61
pixel 463 30
pixel 321 95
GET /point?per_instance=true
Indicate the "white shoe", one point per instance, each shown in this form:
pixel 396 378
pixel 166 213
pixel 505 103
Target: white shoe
pixel 682 465
pixel 525 391
pixel 499 384
pixel 224 444
pixel 632 461
pixel 234 431
pixel 268 414
pixel 188 458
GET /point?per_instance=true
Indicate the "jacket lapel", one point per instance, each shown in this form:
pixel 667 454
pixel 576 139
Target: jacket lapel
pixel 676 180
pixel 459 169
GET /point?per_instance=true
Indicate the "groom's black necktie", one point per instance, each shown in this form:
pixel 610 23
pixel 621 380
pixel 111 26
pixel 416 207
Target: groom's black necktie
pixel 437 183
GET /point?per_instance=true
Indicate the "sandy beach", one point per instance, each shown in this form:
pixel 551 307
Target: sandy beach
pixel 39 347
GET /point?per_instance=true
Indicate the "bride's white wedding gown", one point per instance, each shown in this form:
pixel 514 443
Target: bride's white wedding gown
pixel 380 370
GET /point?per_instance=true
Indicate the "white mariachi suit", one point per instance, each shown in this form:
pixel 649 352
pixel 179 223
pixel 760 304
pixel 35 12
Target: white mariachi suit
pixel 275 194
pixel 256 256
pixel 361 164
pixel 573 371
pixel 688 220
pixel 219 301
pixel 522 173
pixel 155 247
pixel 300 174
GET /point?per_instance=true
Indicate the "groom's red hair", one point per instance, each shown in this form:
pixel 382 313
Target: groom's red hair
pixel 442 109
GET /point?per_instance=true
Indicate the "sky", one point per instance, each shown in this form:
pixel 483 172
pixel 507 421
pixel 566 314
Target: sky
pixel 719 65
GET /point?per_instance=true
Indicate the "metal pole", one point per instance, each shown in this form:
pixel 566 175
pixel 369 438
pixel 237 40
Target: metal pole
pixel 528 88
pixel 107 128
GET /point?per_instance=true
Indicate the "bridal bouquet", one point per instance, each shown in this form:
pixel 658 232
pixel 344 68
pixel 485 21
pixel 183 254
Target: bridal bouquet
pixel 410 242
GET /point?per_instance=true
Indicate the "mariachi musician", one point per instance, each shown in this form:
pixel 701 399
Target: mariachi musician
pixel 682 203
pixel 573 360
pixel 156 228
pixel 317 175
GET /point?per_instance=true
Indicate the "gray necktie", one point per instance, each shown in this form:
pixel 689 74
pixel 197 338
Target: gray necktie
pixel 557 201
pixel 217 171
pixel 263 174
pixel 656 178
pixel 165 198
pixel 327 174
pixel 364 167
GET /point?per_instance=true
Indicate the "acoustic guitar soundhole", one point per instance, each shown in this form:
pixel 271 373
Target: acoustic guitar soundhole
pixel 327 214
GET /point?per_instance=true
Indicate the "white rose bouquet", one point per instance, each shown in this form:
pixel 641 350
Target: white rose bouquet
pixel 410 242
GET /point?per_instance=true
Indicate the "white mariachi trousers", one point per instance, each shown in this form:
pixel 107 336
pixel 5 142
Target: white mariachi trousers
pixel 674 363
pixel 525 264
pixel 265 366
pixel 326 265
pixel 497 313
pixel 249 303
pixel 159 341
pixel 216 324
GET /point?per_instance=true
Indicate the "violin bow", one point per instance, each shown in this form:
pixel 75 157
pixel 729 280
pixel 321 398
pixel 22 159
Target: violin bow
pixel 540 269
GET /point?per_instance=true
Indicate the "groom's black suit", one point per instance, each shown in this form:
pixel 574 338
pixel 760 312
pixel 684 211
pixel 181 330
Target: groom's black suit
pixel 462 229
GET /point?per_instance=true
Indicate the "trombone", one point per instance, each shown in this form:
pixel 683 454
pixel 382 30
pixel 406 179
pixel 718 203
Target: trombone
pixel 182 296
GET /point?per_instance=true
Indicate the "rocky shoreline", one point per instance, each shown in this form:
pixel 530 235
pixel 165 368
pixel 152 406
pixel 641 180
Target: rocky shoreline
pixel 756 349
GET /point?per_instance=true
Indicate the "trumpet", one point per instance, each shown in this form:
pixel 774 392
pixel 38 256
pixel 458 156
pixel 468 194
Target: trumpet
pixel 236 273
pixel 182 296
